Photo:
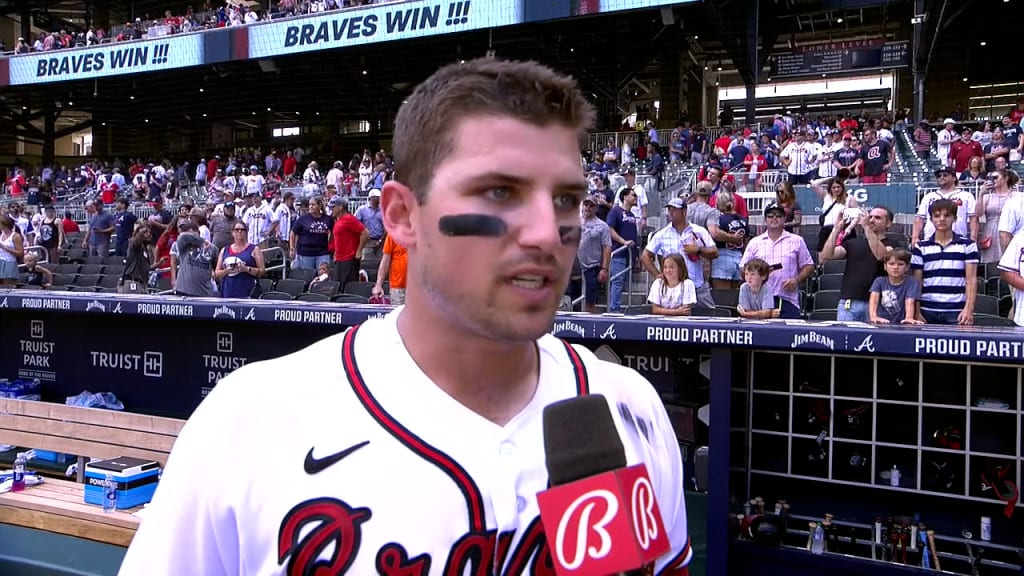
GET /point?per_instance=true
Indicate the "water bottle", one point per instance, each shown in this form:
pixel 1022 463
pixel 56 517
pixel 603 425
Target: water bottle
pixel 818 540
pixel 109 494
pixel 19 472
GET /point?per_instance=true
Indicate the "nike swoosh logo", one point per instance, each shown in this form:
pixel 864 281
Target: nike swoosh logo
pixel 317 465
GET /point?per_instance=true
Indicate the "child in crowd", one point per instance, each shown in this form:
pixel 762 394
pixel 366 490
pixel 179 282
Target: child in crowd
pixel 947 267
pixel 894 296
pixel 756 301
pixel 323 274
pixel 674 294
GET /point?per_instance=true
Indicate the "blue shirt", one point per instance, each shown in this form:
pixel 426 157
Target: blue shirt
pixel 625 225
pixel 372 219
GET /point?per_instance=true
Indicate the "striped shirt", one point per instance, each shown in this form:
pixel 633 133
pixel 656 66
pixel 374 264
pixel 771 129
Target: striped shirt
pixel 944 272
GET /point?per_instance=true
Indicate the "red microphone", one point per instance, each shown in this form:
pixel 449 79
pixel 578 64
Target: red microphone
pixel 601 516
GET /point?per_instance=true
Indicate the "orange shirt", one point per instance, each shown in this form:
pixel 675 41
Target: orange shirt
pixel 399 262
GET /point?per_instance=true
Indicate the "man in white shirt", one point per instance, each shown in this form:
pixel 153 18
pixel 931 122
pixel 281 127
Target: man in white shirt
pixel 946 138
pixel 799 158
pixel 367 481
pixel 1011 268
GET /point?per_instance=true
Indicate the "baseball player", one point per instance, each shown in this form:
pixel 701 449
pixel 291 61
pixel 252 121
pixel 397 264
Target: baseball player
pixel 412 445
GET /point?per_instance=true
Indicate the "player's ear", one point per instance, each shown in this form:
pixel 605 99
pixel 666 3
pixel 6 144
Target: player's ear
pixel 398 205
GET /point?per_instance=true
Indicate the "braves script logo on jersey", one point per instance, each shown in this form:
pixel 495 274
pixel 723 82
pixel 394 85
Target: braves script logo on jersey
pixel 332 523
pixel 329 525
pixel 578 515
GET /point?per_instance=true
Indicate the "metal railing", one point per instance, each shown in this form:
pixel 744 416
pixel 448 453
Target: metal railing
pixel 627 283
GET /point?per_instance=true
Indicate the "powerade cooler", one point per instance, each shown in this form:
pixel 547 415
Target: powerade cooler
pixel 136 480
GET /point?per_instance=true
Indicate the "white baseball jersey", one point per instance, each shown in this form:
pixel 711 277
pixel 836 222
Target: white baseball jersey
pixel 964 201
pixel 1013 261
pixel 344 458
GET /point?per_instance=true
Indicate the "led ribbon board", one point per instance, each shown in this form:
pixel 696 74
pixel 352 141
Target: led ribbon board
pixel 417 19
pixel 111 59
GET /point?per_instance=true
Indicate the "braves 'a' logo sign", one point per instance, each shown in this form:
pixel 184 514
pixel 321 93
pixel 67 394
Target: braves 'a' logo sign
pixel 599 505
pixel 330 522
pixel 874 153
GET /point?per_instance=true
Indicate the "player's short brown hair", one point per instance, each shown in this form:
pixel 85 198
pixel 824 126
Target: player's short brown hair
pixel 526 91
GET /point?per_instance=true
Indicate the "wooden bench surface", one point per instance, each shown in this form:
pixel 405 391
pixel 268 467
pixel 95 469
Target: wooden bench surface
pixel 59 506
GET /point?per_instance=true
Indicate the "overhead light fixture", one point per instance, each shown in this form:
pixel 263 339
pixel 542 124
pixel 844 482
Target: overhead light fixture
pixel 705 67
pixel 103 124
pixel 719 69
pixel 983 43
pixel 253 113
pixel 268 108
pixel 695 37
pixel 201 90
pixel 70 103
pixel 769 79
pixel 24 107
pixel 965 78
pixel 147 120
pixel 204 114
pixel 131 97
pixel 297 113
pixel 462 61
pixel 317 113
pixel 572 49
pixel 364 72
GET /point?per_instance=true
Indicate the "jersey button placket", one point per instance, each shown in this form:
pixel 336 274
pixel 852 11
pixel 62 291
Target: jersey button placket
pixel 505 500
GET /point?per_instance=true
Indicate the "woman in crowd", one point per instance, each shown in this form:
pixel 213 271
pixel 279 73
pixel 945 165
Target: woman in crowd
pixel 755 165
pixel 992 196
pixel 785 196
pixel 165 242
pixel 725 270
pixel 12 248
pixel 239 265
pixel 834 199
pixel 309 235
pixel 975 174
pixel 50 234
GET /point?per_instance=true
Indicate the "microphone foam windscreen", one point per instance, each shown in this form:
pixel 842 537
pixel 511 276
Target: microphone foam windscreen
pixel 580 439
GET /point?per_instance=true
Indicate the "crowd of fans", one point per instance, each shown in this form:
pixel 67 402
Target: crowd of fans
pixel 233 13
pixel 215 245
pixel 959 259
pixel 854 264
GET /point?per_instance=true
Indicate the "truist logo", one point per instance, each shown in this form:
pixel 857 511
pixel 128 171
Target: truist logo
pixel 644 524
pixel 569 326
pixel 577 521
pixel 223 312
pixel 813 339
pixel 95 305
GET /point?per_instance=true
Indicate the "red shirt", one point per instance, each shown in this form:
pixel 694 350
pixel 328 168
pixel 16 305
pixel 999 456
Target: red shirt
pixel 289 165
pixel 961 154
pixel 18 185
pixel 345 237
pixel 723 143
pixel 69 225
pixel 762 163
pixel 739 205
